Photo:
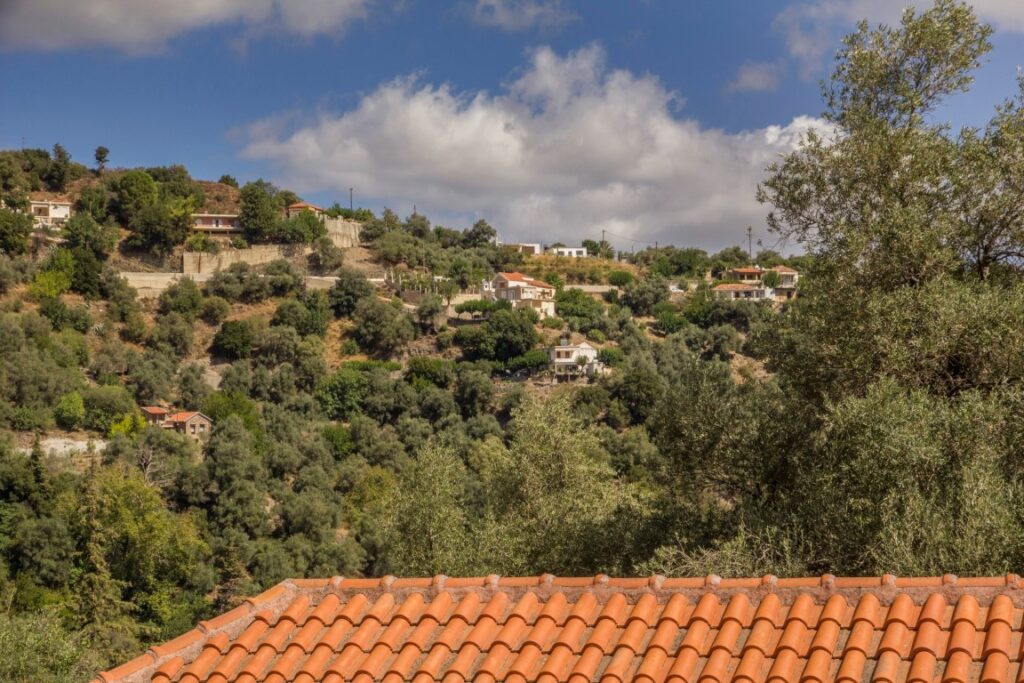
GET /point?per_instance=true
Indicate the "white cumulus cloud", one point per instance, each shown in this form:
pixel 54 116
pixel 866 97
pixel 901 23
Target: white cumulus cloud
pixel 565 150
pixel 145 26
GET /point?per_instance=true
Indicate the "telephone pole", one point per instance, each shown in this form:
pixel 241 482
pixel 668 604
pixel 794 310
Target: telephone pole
pixel 750 243
pixel 350 206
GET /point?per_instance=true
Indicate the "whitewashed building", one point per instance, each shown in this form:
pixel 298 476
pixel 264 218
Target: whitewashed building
pixel 49 210
pixel 568 252
pixel 743 292
pixel 574 360
pixel 524 292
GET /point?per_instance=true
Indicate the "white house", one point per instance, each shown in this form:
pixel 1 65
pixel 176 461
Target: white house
pixel 569 252
pixel 788 277
pixel 743 292
pixel 574 360
pixel 524 292
pixel 49 210
pixel 216 223
pixel 751 275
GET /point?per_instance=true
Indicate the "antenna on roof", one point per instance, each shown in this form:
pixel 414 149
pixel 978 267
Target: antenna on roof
pixel 750 243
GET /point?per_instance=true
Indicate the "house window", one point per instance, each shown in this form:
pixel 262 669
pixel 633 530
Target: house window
pixel 216 222
pixel 192 427
pixel 202 426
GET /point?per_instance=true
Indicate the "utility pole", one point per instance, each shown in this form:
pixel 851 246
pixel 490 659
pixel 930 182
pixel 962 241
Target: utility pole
pixel 350 206
pixel 750 243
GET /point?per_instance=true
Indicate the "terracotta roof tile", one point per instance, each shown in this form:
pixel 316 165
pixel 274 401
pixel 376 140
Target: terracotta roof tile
pixel 519 277
pixel 656 630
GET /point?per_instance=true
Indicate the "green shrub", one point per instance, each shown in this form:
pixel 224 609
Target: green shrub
pixel 552 323
pixel 612 356
pixel 214 310
pixel 437 371
pixel 234 339
pixel 70 411
pixel 202 243
pixel 620 278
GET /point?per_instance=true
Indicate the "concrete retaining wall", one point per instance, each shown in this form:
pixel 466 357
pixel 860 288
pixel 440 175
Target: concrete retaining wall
pixel 200 263
pixel 343 233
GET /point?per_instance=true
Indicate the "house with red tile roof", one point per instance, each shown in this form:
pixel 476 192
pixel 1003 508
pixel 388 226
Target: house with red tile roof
pixel 191 423
pixel 297 208
pixel 748 275
pixel 749 284
pixel 524 292
pixel 574 630
pixel 155 415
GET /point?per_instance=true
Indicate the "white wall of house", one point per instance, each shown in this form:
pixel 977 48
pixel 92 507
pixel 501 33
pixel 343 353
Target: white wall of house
pixel 524 294
pixel 569 252
pixel 47 213
pixel 746 294
pixel 565 359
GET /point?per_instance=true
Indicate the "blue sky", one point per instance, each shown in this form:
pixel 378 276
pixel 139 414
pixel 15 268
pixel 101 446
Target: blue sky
pixel 650 119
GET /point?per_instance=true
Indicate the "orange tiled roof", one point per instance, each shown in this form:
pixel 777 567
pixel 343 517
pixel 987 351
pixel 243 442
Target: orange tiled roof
pixel 304 205
pixel 154 410
pixel 735 287
pixel 519 277
pixel 646 630
pixel 183 416
pixel 783 269
pixel 753 271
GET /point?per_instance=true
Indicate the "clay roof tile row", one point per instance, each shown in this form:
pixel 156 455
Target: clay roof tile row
pixel 651 630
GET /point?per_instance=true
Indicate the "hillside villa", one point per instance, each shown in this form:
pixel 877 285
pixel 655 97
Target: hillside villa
pixel 748 275
pixel 568 252
pixel 192 424
pixel 749 284
pixel 524 292
pixel 48 209
pixel 570 360
pixel 788 277
pixel 735 291
pixel 216 223
pixel 294 210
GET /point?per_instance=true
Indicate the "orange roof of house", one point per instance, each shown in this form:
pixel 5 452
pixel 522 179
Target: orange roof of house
pixel 304 205
pixel 154 410
pixel 645 630
pixel 735 287
pixel 519 277
pixel 184 416
pixel 783 269
pixel 754 270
